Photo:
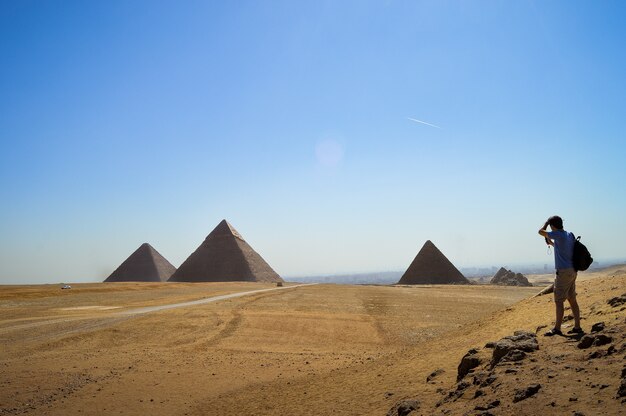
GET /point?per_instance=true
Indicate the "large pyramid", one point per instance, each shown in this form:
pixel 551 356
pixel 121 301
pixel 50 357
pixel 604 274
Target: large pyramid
pixel 224 256
pixel 430 266
pixel 144 265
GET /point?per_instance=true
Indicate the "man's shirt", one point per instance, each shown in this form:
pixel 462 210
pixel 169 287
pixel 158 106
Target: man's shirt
pixel 563 248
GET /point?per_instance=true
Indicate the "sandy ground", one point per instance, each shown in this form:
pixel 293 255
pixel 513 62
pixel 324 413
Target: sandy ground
pixel 317 350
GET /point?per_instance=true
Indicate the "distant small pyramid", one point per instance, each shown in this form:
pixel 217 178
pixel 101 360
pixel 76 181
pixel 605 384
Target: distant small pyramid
pixel 224 256
pixel 500 274
pixel 430 266
pixel 144 265
pixel 509 278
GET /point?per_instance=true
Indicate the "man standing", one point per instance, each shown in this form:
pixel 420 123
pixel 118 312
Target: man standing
pixel 565 281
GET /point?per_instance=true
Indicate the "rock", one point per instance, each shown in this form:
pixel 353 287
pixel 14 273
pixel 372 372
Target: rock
pixel 523 394
pixel 489 380
pixel 494 403
pixel 520 335
pixel 404 408
pixel 602 339
pixel 489 406
pixel 595 340
pixel 479 377
pixel 586 341
pixel 621 391
pixel 434 374
pixel 596 354
pixel 617 301
pixel 508 278
pixel 597 327
pixel 521 340
pixel 454 394
pixel 545 291
pixel 462 386
pixel 514 355
pixel 468 362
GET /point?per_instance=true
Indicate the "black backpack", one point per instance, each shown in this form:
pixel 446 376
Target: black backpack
pixel 581 258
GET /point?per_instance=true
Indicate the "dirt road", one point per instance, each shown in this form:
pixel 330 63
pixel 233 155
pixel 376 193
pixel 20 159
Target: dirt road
pixel 157 308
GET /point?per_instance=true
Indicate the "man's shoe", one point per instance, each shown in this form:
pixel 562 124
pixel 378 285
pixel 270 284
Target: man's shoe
pixel 576 331
pixel 553 332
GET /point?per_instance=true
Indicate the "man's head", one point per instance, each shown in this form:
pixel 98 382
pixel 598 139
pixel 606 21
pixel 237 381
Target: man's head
pixel 555 222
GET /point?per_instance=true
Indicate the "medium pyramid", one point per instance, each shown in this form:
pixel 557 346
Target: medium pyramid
pixel 144 265
pixel 430 266
pixel 224 256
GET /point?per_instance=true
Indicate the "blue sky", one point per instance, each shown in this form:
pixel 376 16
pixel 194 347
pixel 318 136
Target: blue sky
pixel 124 122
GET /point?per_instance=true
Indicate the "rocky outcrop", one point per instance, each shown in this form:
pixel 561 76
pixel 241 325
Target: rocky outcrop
pixel 617 300
pixel 597 327
pixel 512 374
pixel 522 394
pixel 434 374
pixel 475 363
pixel 470 361
pixel 546 290
pixel 621 390
pixel 594 340
pixel 511 348
pixel 506 277
pixel 404 408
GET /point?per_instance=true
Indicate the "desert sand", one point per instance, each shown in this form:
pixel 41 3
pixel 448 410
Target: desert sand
pixel 313 350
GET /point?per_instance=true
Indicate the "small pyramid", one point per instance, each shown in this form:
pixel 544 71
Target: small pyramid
pixel 506 277
pixel 500 274
pixel 430 266
pixel 144 265
pixel 224 256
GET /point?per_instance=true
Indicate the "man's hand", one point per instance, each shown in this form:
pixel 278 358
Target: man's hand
pixel 543 232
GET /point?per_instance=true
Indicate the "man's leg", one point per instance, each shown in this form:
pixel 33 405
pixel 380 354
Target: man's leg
pixel 575 310
pixel 560 310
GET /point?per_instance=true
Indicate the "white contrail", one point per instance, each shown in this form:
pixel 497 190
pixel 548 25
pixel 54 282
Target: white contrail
pixel 422 122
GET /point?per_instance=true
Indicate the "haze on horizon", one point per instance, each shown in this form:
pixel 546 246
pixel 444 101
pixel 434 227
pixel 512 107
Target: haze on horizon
pixel 130 122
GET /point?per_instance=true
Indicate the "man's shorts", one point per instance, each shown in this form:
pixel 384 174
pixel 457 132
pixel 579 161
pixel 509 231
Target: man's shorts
pixel 564 284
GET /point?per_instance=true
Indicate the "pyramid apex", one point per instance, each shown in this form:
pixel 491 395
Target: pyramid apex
pixel 224 227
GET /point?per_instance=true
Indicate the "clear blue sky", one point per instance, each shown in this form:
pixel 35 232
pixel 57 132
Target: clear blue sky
pixel 123 122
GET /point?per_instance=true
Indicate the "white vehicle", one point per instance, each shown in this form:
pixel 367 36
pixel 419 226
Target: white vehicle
pixel 66 287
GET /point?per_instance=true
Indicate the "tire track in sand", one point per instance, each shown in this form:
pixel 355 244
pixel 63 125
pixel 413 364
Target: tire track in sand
pixel 232 324
pixel 112 318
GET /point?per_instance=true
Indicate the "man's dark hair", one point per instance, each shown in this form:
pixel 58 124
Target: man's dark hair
pixel 556 222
